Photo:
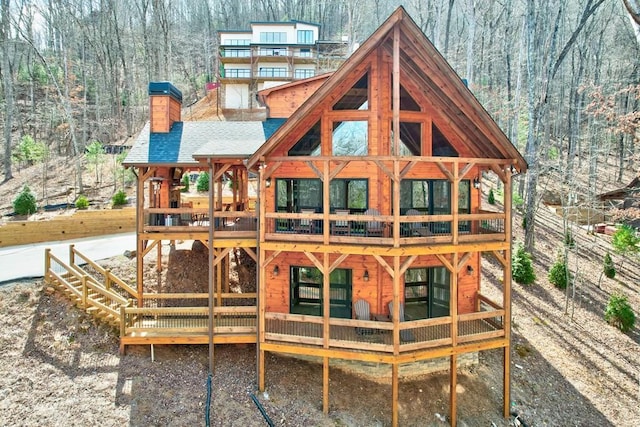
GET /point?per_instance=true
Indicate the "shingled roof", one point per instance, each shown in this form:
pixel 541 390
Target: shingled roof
pixel 186 141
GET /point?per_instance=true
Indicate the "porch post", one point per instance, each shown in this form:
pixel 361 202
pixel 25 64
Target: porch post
pixel 508 192
pixel 394 394
pixel 211 272
pixel 326 313
pixel 453 385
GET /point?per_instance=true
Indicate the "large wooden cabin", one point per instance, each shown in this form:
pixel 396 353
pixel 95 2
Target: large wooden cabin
pixel 369 227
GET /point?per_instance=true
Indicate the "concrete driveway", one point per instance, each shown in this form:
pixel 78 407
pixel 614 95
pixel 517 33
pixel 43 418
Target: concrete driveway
pixel 19 262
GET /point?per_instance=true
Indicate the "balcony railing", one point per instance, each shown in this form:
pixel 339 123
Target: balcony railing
pixel 483 226
pixel 197 220
pixel 379 336
pixel 188 314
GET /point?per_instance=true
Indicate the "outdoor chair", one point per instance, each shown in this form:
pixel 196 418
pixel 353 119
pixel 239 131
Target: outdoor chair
pixel 373 228
pixel 406 335
pixel 363 312
pixel 341 226
pixel 305 225
pixel 417 228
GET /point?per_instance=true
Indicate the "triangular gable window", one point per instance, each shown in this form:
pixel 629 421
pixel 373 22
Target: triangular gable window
pixel 441 145
pixel 407 103
pixel 356 98
pixel 309 144
pixel 410 139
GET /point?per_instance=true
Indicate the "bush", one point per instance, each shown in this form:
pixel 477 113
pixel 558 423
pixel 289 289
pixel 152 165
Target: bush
pixel 82 202
pixel 609 269
pixel 203 182
pixel 559 274
pixel 625 240
pixel 521 268
pixel 491 198
pixel 568 240
pixel 619 313
pixel 518 201
pixel 185 183
pixel 25 203
pixel 119 199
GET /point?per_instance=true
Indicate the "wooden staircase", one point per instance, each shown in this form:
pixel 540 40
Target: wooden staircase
pixel 110 300
pixel 101 299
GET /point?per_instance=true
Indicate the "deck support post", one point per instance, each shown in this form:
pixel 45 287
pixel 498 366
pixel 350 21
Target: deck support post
pixel 394 394
pixel 261 370
pixel 506 297
pixel 507 382
pixel 453 396
pixel 211 275
pixel 325 385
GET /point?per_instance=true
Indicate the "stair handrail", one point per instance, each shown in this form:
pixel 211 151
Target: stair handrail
pixel 109 277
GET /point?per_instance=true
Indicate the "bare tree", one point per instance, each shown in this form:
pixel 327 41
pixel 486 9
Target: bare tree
pixel 7 80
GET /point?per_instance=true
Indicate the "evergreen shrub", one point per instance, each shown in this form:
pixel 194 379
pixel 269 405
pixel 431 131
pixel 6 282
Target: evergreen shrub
pixel 521 267
pixel 25 202
pixel 619 312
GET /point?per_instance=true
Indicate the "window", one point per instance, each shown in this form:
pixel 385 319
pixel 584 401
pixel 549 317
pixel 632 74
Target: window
pixel 296 194
pixel 356 98
pixel 407 103
pixel 309 144
pixel 433 197
pixel 273 37
pixel 236 53
pixel 305 53
pixel 306 292
pixel 350 138
pixel 426 292
pixel 410 139
pixel 304 73
pixel 293 195
pixel 273 52
pixel 236 73
pixel 305 37
pixel 440 145
pixel 351 194
pixel 237 42
pixel 273 72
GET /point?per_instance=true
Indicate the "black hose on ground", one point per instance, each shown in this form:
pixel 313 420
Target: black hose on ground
pixel 517 417
pixel 261 409
pixel 207 410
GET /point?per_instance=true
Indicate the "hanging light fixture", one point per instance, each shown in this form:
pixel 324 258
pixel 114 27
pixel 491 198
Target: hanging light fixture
pixel 476 183
pixel 365 276
pixel 276 270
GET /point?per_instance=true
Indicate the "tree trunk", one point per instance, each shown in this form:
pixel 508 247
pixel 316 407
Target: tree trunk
pixel 7 80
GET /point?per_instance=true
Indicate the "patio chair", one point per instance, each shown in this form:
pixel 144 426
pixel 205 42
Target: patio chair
pixel 341 226
pixel 417 228
pixel 406 335
pixel 373 228
pixel 363 312
pixel 305 225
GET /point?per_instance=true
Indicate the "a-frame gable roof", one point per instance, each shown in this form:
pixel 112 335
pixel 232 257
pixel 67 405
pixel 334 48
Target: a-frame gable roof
pixel 421 62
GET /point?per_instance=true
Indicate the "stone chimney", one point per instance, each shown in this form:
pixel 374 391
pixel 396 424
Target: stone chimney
pixel 165 103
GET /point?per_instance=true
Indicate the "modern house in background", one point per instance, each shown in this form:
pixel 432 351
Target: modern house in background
pixel 369 227
pixel 269 54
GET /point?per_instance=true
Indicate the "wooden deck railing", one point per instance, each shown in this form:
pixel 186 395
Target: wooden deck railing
pixel 379 336
pixel 379 229
pixel 197 219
